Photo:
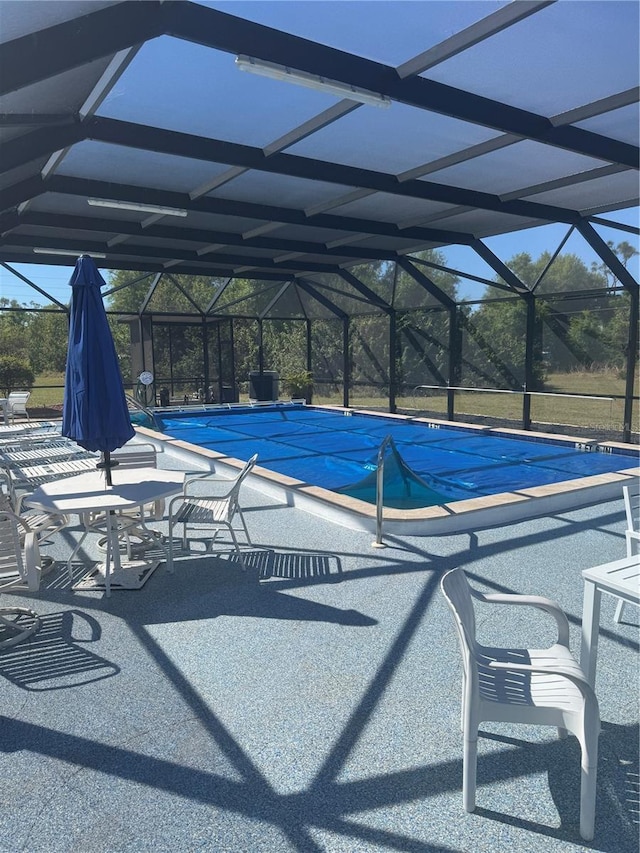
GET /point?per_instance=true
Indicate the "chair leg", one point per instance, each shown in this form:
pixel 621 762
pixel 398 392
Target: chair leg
pixel 23 624
pixel 209 547
pixel 246 530
pixel 588 738
pixel 237 547
pixel 617 616
pixel 469 767
pixel 170 548
pixel 72 555
pixel 587 801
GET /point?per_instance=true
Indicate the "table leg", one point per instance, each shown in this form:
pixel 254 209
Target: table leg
pixel 113 551
pixel 590 630
pixel 72 555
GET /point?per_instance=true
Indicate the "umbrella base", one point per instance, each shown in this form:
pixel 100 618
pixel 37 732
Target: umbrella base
pixel 132 575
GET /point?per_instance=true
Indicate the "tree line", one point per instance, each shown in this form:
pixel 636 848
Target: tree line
pixel 582 317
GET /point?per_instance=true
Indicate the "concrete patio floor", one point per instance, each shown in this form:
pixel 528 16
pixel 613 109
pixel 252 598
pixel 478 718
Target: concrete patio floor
pixel 310 705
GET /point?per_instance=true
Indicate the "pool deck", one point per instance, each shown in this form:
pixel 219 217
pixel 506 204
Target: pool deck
pixel 311 705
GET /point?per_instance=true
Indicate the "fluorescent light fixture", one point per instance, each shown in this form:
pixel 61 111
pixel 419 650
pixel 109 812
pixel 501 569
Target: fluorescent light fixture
pixel 132 205
pixel 74 252
pixel 312 81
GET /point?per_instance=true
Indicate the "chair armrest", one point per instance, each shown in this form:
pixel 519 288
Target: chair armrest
pixel 21 522
pixel 548 605
pixel 578 680
pixel 179 499
pixel 225 487
pixel 206 478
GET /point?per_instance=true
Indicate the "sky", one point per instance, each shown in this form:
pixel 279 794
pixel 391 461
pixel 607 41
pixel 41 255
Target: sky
pixel 534 241
pixel 343 26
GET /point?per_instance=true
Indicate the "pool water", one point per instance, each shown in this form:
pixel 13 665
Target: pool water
pixel 435 464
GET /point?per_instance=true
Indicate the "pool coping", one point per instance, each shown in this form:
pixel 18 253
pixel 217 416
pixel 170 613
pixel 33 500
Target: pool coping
pixel 456 516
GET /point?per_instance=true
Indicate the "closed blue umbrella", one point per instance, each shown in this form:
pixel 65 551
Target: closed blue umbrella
pixel 95 413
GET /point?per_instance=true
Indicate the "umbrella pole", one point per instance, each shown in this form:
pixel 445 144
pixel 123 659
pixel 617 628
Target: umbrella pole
pixel 113 545
pixel 107 464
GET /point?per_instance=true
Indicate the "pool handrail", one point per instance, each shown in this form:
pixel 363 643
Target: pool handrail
pixel 387 441
pixel 147 411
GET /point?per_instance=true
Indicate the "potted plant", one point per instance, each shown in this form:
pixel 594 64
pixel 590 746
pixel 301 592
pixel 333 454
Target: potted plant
pixel 299 385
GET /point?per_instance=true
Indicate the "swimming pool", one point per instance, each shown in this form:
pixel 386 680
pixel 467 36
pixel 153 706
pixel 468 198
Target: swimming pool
pixel 330 455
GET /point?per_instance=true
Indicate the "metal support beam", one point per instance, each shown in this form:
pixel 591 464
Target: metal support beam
pixel 42 292
pixel 609 257
pixel 632 361
pixel 369 294
pixel 529 360
pixel 429 285
pixel 503 271
pixel 455 359
pixel 393 360
pixel 260 348
pixel 152 288
pixel 346 363
pixel 205 359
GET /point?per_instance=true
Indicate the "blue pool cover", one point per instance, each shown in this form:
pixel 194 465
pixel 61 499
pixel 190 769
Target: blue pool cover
pixel 433 464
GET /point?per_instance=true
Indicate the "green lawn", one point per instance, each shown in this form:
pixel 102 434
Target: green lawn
pixel 606 414
pixel 582 411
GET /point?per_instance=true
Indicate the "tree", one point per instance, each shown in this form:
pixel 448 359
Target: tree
pixel 496 341
pixel 580 322
pixel 14 329
pixel 50 328
pixel 15 373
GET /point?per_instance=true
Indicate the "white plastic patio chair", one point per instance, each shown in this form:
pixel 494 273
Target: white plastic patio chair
pixel 531 686
pixel 20 569
pixel 632 533
pixel 17 404
pixel 199 505
pixel 43 524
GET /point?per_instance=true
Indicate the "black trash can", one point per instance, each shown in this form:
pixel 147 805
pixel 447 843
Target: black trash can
pixel 263 387
pixel 229 394
pixel 164 397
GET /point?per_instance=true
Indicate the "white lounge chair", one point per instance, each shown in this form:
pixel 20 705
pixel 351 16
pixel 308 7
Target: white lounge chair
pixel 200 505
pixel 17 404
pixel 533 686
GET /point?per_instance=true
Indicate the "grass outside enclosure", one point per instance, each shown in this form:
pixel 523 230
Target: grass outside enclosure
pixel 547 412
pixel 47 391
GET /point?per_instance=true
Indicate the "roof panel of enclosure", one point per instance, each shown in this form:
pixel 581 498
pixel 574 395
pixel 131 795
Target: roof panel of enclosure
pixel 129 131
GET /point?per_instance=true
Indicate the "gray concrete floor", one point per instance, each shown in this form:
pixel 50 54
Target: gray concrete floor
pixel 309 705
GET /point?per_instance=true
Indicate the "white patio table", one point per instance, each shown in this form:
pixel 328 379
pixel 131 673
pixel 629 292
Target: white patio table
pixel 620 578
pixel 89 493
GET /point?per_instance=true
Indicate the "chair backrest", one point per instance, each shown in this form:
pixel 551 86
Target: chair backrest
pixel 7 487
pixel 136 456
pixel 17 402
pixel 632 506
pixel 234 492
pixel 246 470
pixel 18 568
pixel 457 592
